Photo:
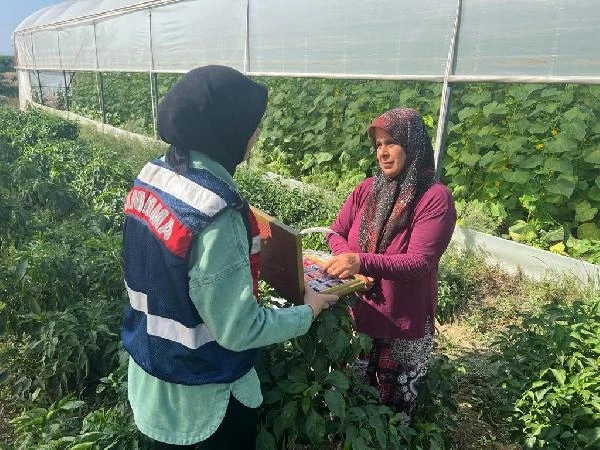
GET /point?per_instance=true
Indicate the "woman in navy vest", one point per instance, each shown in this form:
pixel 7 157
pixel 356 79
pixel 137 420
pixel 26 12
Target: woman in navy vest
pixel 192 325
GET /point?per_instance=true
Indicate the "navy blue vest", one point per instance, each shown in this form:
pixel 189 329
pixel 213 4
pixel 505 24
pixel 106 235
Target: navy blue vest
pixel 162 330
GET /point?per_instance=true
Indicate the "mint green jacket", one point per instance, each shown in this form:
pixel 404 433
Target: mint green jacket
pixel 221 289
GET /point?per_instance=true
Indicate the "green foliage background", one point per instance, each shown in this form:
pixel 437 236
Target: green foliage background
pixel 550 372
pixel 522 160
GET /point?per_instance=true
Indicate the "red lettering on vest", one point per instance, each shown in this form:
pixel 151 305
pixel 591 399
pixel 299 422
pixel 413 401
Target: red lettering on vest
pixel 159 219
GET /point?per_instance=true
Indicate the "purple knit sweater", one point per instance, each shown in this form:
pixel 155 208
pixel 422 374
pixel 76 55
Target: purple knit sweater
pixel 405 291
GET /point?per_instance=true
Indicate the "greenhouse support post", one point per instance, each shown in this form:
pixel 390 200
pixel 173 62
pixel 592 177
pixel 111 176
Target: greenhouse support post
pixel 63 72
pixel 154 94
pixel 66 90
pixel 40 87
pixel 99 80
pixel 37 72
pixel 442 128
pixel 247 40
pixel 100 89
pixel 153 79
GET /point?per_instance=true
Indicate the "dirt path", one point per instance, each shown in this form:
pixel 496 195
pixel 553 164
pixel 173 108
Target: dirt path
pixel 478 425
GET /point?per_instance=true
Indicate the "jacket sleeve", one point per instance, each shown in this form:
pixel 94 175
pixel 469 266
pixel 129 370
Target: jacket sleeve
pixel 221 289
pixel 431 231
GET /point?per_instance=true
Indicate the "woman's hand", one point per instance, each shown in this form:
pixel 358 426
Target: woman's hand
pixel 369 282
pixel 343 265
pixel 318 302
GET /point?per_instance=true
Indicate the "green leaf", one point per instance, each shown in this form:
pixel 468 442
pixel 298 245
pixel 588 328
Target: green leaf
pixel 550 107
pixel 465 113
pixel 336 403
pixel 588 231
pixel 562 166
pixel 82 446
pixel 512 145
pixel 315 427
pixel 338 379
pixel 584 212
pixel 560 375
pixel 563 185
pixel 21 269
pixel 265 440
pixel 296 388
pixel 470 159
pixel 522 231
pixel 594 193
pixel 494 108
pixel 428 120
pixel 73 404
pixel 516 176
pixel 574 114
pixel 297 373
pixel 531 162
pixel 360 444
pixel 322 124
pixel 289 412
pixel 93 437
pixel 593 157
pixel 272 396
pixel 553 236
pixel 539 128
pixel 561 144
pixel 575 129
pixel 305 404
pixel 591 436
pixel 476 98
pixel 323 157
pixel 489 157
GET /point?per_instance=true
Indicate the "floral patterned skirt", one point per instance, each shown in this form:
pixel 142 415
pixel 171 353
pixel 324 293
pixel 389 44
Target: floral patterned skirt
pixel 396 366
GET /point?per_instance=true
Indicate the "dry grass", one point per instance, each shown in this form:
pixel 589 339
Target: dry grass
pixel 7 412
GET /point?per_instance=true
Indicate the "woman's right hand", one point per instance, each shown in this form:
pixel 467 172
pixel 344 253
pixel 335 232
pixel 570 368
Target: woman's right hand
pixel 318 302
pixel 369 282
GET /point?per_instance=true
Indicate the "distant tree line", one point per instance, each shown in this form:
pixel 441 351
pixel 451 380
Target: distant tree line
pixel 6 63
pixel 8 85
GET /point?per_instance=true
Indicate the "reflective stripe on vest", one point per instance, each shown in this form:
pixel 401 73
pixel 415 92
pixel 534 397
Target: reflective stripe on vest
pixel 162 329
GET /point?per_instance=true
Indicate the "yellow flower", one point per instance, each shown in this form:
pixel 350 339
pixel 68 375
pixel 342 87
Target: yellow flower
pixel 553 131
pixel 539 146
pixel 558 248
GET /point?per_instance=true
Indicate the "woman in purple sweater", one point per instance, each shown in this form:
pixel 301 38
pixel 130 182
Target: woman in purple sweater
pixel 393 229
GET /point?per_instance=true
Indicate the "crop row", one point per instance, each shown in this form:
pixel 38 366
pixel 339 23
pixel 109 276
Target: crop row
pixel 522 161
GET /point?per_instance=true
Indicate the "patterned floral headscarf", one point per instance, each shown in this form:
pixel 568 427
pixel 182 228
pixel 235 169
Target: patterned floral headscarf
pixel 391 200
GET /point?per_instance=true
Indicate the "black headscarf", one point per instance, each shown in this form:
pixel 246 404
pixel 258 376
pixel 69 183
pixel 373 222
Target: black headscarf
pixel 213 110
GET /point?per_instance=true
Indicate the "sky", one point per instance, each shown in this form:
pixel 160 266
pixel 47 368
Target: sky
pixel 12 13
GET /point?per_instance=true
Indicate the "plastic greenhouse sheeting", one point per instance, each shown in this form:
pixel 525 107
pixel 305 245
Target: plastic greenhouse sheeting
pixel 406 39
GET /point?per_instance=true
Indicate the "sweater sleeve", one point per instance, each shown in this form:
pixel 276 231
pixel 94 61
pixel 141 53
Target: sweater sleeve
pixel 221 289
pixel 431 231
pixel 338 243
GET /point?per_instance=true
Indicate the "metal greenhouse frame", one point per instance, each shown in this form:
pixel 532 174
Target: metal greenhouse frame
pixel 445 41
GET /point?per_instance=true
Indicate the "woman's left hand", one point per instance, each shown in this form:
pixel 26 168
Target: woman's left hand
pixel 343 265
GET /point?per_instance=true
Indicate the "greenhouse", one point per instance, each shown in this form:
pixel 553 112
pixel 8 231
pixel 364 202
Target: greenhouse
pixel 447 42
pixel 510 93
